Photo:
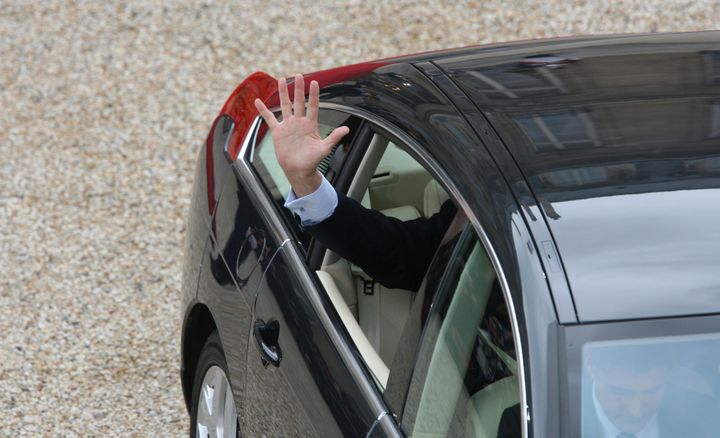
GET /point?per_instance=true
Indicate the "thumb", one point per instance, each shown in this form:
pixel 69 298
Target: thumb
pixel 335 136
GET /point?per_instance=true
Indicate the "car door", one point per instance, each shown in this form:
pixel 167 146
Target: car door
pixel 465 380
pixel 406 105
pixel 302 377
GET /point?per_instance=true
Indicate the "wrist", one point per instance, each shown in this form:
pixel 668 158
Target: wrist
pixel 305 184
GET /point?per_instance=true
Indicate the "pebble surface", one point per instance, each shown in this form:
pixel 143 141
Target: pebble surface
pixel 102 108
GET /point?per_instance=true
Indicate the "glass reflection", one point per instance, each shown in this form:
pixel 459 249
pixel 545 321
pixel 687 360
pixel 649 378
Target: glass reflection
pixel 642 254
pixel 712 67
pixel 559 130
pixel 651 388
pixel 514 81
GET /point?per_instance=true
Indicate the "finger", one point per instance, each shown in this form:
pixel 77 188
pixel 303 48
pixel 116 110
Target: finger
pixel 313 101
pixel 266 114
pixel 335 136
pixel 299 104
pixel 285 105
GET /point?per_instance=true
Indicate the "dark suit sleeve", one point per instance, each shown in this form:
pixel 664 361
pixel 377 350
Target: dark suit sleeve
pixel 510 423
pixel 394 253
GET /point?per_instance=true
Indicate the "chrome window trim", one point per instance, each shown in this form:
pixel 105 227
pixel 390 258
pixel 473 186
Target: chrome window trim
pixel 443 178
pixel 278 228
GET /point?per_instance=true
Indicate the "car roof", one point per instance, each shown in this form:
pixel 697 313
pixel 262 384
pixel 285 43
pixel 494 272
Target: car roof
pixel 619 139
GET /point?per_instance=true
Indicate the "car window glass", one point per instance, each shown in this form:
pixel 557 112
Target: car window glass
pixel 465 378
pixel 665 386
pixel 401 368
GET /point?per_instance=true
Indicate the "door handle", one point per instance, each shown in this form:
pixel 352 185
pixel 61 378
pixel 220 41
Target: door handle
pixel 266 339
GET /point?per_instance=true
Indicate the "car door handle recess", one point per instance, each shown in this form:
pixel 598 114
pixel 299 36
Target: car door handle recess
pixel 266 338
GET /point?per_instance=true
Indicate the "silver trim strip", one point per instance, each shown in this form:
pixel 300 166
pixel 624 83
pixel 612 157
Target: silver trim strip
pixel 376 423
pixel 442 176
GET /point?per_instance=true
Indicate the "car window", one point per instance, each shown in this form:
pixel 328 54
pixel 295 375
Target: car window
pixel 391 181
pixel 263 159
pixel 663 386
pixel 465 381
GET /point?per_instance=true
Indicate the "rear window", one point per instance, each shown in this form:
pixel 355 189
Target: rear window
pixel 649 387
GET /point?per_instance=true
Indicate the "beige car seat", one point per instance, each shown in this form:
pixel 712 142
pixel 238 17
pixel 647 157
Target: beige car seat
pixel 372 359
pixel 444 390
pixel 487 406
pixel 433 198
pixel 382 312
pixel 379 312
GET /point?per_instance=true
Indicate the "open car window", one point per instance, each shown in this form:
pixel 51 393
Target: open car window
pixel 389 180
pixel 264 161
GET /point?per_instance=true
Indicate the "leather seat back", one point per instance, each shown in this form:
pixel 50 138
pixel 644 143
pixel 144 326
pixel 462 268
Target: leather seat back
pixel 382 312
pixel 372 359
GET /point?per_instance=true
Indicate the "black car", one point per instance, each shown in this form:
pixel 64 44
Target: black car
pixel 579 295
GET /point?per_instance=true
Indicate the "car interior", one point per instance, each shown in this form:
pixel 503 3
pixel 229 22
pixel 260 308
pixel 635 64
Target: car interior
pixel 391 181
pixel 457 400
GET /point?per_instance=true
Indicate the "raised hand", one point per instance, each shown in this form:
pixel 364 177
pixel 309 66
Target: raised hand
pixel 298 146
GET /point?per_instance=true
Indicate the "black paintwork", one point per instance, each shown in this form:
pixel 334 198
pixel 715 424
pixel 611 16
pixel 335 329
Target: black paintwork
pixel 620 144
pixel 526 237
pixel 485 156
pixel 431 120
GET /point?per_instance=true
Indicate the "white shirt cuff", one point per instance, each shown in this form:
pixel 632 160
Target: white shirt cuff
pixel 315 207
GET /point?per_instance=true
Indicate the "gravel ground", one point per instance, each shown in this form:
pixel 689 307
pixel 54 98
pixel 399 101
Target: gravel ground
pixel 102 108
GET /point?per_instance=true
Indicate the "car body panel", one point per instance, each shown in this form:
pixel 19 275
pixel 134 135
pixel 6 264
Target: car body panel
pixel 562 299
pixel 199 223
pixel 314 381
pixel 297 398
pixel 630 202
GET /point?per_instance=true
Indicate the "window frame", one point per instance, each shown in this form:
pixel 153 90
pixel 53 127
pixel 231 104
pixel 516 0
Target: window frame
pixel 422 156
pixel 417 152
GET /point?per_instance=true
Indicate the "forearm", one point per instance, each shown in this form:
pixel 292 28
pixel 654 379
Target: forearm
pixel 393 252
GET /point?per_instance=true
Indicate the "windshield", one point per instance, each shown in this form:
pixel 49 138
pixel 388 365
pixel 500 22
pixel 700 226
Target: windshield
pixel 650 387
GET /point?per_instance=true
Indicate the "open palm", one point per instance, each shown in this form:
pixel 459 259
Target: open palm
pixel 298 146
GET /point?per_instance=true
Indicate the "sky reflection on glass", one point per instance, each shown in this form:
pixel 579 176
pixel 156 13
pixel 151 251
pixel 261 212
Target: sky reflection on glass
pixel 642 255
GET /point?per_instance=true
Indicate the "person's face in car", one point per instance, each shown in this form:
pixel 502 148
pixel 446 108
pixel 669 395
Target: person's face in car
pixel 630 398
